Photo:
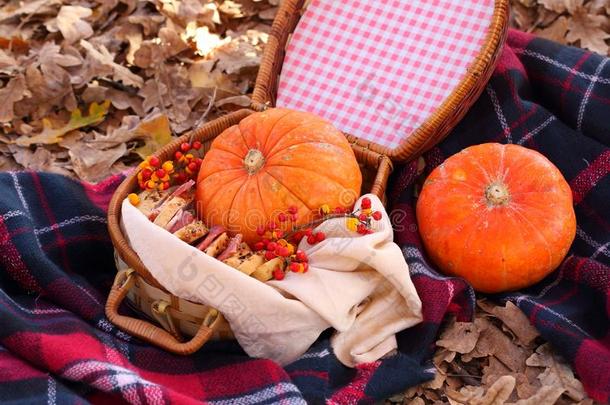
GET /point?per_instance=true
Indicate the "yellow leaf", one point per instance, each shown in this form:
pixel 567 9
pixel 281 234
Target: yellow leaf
pixel 49 135
pixel 156 133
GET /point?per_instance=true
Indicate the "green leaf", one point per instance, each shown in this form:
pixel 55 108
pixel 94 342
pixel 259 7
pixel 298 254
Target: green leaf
pixel 49 135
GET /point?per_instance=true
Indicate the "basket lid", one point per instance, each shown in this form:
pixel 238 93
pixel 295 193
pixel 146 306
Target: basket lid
pixel 391 73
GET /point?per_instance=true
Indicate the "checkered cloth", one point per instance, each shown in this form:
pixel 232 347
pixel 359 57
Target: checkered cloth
pixel 56 267
pixel 378 70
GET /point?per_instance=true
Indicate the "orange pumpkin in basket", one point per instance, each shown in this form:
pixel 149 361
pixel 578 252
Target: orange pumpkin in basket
pixel 272 161
pixel 500 216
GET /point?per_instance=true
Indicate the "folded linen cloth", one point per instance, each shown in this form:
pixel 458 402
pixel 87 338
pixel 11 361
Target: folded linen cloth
pixel 356 284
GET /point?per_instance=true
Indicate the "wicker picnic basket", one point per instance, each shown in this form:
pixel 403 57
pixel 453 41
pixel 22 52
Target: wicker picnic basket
pixel 181 326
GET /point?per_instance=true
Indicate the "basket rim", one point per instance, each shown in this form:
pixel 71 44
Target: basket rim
pixel 437 125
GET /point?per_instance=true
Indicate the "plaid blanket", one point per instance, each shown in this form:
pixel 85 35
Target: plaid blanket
pixel 56 261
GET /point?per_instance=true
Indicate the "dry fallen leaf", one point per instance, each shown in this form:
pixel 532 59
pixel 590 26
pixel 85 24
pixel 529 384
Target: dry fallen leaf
pixel 556 31
pixel 498 393
pixel 557 372
pixel 156 133
pixel 50 135
pixel 120 73
pixel 586 28
pixel 70 22
pixel 460 337
pixel 545 396
pixel 33 8
pixel 92 164
pixel 517 322
pixel 558 6
pixel 10 94
pixel 40 159
pixel 493 341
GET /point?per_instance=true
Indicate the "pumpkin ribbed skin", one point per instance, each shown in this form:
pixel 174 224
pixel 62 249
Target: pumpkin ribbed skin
pixel 273 160
pixel 500 216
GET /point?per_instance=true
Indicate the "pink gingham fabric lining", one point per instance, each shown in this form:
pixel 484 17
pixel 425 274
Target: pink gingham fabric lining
pixel 378 69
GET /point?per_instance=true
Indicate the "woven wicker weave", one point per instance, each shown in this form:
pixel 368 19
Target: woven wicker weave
pixel 180 317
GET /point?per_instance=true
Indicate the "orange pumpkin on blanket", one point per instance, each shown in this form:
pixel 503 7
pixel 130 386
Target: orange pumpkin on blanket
pixel 500 216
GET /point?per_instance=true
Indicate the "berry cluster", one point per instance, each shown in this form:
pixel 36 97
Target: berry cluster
pixel 275 244
pixel 360 220
pixel 156 175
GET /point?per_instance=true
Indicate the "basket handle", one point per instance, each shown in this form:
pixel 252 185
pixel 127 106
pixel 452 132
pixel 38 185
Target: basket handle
pixel 144 330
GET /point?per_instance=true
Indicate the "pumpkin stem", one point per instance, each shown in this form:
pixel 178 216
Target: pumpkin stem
pixel 254 160
pixel 497 194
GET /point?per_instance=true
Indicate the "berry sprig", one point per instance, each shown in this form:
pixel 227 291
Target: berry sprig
pixel 156 175
pixel 276 243
pixel 361 219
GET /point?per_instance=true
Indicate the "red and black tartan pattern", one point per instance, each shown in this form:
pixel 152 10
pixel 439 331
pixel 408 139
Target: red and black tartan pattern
pixel 554 99
pixel 56 261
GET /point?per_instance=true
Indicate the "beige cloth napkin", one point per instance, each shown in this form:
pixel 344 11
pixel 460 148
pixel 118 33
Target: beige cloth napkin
pixel 359 285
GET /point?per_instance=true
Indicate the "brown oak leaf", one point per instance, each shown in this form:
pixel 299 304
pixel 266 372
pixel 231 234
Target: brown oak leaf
pixel 557 372
pixel 120 73
pixel 70 22
pixel 460 337
pixel 517 322
pixel 14 91
pixel 587 28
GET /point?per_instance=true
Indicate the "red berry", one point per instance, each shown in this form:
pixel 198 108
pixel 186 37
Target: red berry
pixel 294 267
pixel 366 203
pixel 271 246
pixel 362 217
pixel 271 225
pixel 260 230
pixel 160 173
pixel 259 246
pixel 305 267
pixel 269 255
pixel 185 147
pixel 338 210
pixel 198 161
pixel 283 251
pixel 282 217
pixel 320 236
pixel 294 217
pixel 377 215
pixel 301 256
pixel 197 145
pixel 308 231
pixel 292 209
pixel 278 274
pixel 154 161
pixel 311 240
pixel 361 229
pixel 146 173
pixel 181 177
pixel 298 235
pixel 192 166
pixel 178 155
